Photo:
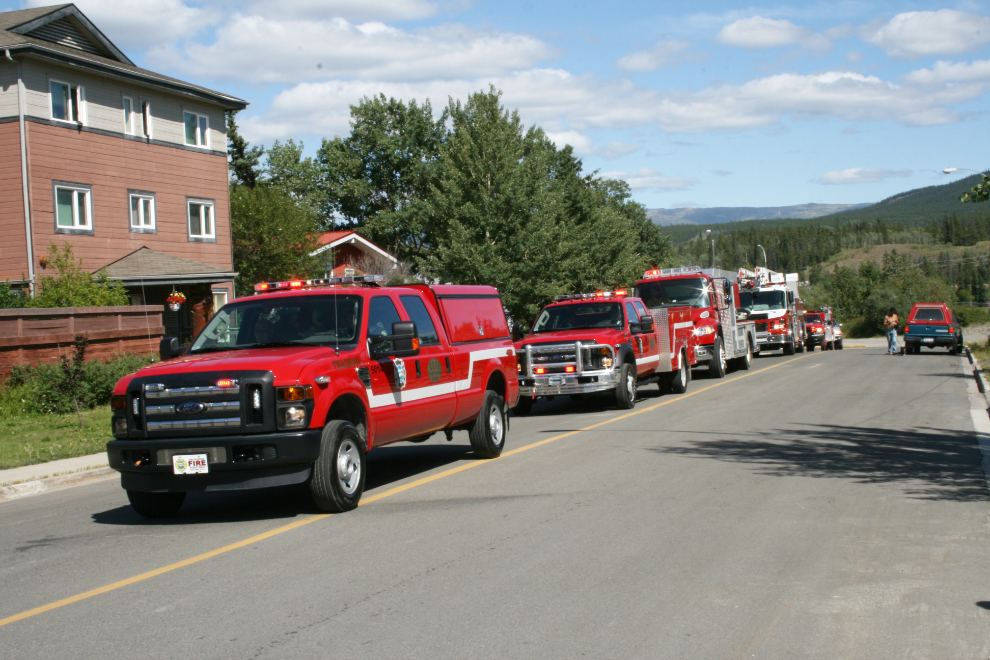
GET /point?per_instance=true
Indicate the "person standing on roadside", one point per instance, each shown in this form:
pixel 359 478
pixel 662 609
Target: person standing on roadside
pixel 890 323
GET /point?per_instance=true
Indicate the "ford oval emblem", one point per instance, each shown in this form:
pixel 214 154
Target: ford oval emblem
pixel 190 407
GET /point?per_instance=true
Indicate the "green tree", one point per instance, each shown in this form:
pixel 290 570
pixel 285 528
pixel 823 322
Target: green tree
pixel 301 177
pixel 243 161
pixel 272 235
pixel 978 193
pixel 72 286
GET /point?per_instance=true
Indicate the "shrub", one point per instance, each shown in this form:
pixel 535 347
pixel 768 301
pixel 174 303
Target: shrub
pixel 10 297
pixel 969 315
pixel 74 286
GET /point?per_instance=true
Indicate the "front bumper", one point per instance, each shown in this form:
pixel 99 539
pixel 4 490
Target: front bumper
pixel 586 383
pixel 815 340
pixel 236 462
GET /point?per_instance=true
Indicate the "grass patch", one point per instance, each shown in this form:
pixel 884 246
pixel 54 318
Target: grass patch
pixel 981 353
pixel 32 439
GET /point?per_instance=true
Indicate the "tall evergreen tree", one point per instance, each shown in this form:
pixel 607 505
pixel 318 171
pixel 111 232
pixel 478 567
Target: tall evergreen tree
pixel 243 161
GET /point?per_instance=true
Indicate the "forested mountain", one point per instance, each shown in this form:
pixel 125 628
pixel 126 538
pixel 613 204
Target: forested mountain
pixel 722 214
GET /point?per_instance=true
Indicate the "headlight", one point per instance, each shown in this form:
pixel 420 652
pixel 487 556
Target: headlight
pixel 120 426
pixel 518 368
pixel 293 416
pixel 704 330
pixel 606 362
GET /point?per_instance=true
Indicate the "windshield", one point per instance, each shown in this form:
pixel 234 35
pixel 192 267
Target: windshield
pixel 689 291
pixel 812 318
pixel 929 314
pixel 578 316
pixel 326 320
pixel 761 301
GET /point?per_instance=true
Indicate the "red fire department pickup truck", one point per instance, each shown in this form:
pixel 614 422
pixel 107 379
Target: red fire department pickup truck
pixel 709 302
pixel 587 343
pixel 296 384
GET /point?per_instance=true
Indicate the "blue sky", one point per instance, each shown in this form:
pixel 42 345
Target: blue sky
pixel 736 105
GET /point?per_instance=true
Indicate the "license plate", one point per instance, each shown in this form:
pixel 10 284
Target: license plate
pixel 190 464
pixel 929 340
pixel 555 380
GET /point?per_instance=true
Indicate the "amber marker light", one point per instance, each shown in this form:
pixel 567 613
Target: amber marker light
pixel 569 370
pixel 540 371
pixel 296 393
pixel 119 403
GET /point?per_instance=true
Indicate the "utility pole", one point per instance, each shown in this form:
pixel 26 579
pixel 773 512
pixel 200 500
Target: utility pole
pixel 709 233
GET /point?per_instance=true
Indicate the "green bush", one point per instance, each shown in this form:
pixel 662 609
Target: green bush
pixel 10 297
pixel 74 286
pixel 42 389
pixel 969 315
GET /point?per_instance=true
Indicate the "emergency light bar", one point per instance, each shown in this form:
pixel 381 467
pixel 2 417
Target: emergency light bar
pixel 671 272
pixel 327 281
pixel 618 293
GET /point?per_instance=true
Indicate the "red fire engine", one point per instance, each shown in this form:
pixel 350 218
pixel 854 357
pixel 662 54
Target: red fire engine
pixel 587 343
pixel 297 384
pixel 708 300
pixel 773 301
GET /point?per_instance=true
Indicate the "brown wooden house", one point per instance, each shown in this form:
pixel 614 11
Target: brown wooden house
pixel 126 165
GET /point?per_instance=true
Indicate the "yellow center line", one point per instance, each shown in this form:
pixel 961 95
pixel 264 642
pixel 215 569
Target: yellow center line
pixel 368 500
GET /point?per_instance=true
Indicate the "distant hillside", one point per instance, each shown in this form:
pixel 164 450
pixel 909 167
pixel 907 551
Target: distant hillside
pixel 919 206
pixel 723 214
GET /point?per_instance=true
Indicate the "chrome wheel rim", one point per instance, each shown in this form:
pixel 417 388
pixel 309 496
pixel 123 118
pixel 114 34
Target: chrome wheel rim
pixel 495 425
pixel 348 466
pixel 631 385
pixel 721 359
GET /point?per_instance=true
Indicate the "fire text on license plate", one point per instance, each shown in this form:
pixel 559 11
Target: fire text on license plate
pixel 555 380
pixel 190 464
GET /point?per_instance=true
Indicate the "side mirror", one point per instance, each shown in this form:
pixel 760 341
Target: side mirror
pixel 518 331
pixel 169 348
pixel 403 342
pixel 645 324
pixel 840 325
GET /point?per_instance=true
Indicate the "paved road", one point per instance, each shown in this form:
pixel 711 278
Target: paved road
pixel 822 506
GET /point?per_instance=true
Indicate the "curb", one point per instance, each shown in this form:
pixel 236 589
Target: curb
pixel 981 379
pixel 38 486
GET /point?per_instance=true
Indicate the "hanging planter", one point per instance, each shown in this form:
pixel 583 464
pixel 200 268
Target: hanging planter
pixel 175 301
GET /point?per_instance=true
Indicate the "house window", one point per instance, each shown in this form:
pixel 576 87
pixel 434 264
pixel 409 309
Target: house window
pixel 219 299
pixel 128 116
pixel 146 118
pixel 68 102
pixel 201 225
pixel 142 205
pixel 73 208
pixel 197 129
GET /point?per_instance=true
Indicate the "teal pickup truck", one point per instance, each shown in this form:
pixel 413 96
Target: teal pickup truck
pixel 931 325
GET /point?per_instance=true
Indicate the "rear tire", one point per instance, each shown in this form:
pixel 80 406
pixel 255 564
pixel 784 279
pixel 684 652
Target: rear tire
pixel 716 366
pixel 678 382
pixel 156 505
pixel 746 362
pixel 799 347
pixel 625 391
pixel 789 348
pixel 338 473
pixel 488 432
pixel 524 406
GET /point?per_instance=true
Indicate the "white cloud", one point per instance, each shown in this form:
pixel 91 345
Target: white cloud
pixel 759 32
pixel 584 145
pixel 923 33
pixel 861 175
pixel 647 178
pixel 951 72
pixel 255 49
pixel 665 53
pixel 391 10
pixel 156 22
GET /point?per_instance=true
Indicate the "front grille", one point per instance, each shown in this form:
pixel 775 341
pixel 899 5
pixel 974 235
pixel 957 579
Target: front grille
pixel 556 358
pixel 187 424
pixel 208 390
pixel 254 403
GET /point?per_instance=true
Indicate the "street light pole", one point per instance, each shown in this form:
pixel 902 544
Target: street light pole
pixel 950 170
pixel 764 257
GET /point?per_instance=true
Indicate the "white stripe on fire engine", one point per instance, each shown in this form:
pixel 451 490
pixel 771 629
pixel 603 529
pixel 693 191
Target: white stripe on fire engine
pixel 687 324
pixel 647 360
pixel 405 396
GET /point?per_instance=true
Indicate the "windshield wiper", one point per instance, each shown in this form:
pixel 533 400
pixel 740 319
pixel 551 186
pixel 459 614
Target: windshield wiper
pixel 215 349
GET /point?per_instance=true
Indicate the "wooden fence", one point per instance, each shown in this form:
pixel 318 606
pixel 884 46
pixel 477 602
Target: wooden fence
pixel 33 336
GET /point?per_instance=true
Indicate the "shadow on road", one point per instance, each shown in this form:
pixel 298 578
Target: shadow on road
pixel 386 465
pixel 927 463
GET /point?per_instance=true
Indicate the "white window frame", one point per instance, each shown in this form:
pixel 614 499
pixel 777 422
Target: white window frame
pixel 207 207
pixel 142 226
pixel 77 189
pixel 202 130
pixel 146 118
pixel 129 125
pixel 77 102
pixel 219 298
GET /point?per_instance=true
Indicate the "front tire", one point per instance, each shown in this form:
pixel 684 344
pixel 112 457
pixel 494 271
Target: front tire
pixel 338 475
pixel 838 345
pixel 156 505
pixel 716 366
pixel 488 432
pixel 625 391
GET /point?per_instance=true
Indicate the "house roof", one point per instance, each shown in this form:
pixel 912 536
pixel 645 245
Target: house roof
pixel 151 266
pixel 332 239
pixel 63 33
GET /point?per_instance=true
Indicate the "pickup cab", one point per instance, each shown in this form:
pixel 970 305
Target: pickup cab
pixel 931 325
pixel 295 385
pixel 587 343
